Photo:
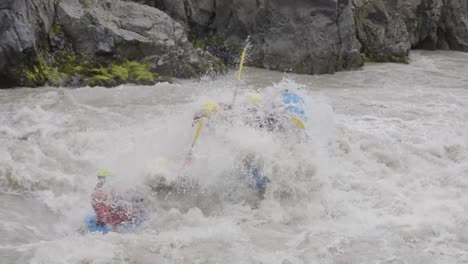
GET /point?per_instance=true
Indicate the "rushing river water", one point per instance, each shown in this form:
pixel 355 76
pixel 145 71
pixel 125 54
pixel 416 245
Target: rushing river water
pixel 382 179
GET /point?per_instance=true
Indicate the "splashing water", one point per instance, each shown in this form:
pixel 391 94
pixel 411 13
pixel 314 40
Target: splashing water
pixel 382 178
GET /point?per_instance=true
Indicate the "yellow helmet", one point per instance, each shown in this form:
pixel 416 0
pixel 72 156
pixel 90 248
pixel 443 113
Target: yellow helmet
pixel 210 107
pixel 254 98
pixel 102 173
pixel 162 162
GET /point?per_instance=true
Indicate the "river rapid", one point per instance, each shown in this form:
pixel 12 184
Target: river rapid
pixel 382 179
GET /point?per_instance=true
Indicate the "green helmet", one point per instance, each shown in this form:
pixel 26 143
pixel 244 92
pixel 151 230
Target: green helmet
pixel 104 173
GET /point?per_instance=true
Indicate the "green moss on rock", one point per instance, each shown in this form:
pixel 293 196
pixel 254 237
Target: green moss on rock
pixel 103 77
pixel 55 78
pixel 139 73
pixel 199 43
pixel 39 74
pixel 68 68
pixel 71 64
pixel 88 4
pixel 119 72
pixel 213 41
pixel 56 28
pixel 369 59
pixel 127 72
pixel 32 79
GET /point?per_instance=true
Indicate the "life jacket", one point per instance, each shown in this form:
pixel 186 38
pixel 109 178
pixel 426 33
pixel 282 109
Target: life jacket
pixel 293 104
pixel 107 210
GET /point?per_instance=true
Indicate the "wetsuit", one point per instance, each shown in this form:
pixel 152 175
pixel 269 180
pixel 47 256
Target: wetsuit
pixel 108 211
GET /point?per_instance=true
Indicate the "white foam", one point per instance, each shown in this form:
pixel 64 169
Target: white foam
pixel 382 179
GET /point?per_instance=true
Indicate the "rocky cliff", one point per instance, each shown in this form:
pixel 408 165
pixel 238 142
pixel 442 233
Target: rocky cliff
pixel 90 42
pixel 23 30
pixel 322 36
pixel 87 42
pixel 388 29
pixel 301 36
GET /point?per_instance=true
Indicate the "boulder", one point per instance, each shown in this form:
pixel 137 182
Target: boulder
pixel 388 29
pixel 57 42
pixel 194 14
pixel 437 24
pixel 120 29
pixel 454 25
pixel 381 30
pixel 308 37
pixel 280 32
pixel 422 19
pixel 303 37
pixel 24 26
pixel 125 30
pixel 90 42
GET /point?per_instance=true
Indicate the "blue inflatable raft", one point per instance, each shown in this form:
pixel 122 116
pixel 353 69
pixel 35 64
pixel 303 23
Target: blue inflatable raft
pixel 93 227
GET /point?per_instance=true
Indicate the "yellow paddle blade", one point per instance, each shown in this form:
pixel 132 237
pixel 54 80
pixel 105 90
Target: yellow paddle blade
pixel 297 122
pixel 199 130
pixel 241 66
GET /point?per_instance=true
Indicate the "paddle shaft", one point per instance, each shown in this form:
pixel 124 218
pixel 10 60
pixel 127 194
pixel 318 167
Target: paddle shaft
pixel 239 75
pixel 201 121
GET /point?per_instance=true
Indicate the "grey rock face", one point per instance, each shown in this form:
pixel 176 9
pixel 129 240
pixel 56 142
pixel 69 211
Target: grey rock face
pixel 422 19
pixel 321 36
pixel 381 30
pixel 388 29
pixel 326 35
pixel 37 34
pixel 120 29
pixel 455 24
pixel 198 14
pixel 304 36
pixel 126 30
pixel 310 37
pixel 23 32
pixel 307 37
pixel 437 24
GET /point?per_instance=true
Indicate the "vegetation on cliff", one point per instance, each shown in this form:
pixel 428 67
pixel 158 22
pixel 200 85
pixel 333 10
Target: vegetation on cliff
pixel 81 70
pixel 95 43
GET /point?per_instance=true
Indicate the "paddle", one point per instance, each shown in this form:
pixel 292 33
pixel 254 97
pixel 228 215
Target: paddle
pixel 188 159
pixel 239 74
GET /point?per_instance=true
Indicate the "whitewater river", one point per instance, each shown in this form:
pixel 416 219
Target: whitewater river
pixel 382 179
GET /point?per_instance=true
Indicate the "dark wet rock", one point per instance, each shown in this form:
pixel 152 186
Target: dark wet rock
pixel 198 15
pixel 195 64
pixel 455 24
pixel 70 42
pixel 23 33
pixel 437 24
pixel 311 37
pixel 381 31
pixel 89 42
pixel 388 29
pixel 126 30
pixel 422 19
pixel 304 36
pixel 120 29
